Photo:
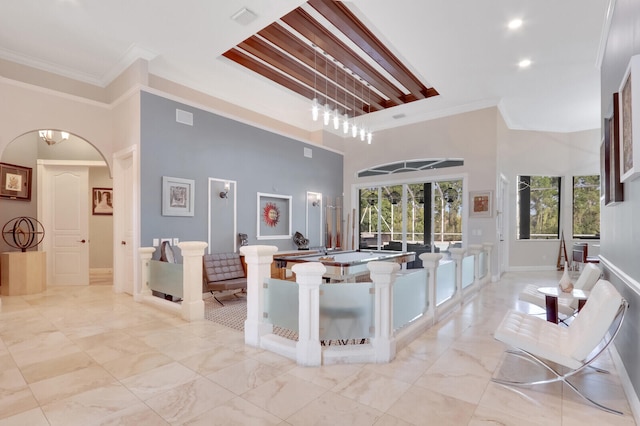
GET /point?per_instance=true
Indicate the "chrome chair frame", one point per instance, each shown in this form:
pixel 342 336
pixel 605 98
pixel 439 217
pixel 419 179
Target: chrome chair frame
pixel 559 377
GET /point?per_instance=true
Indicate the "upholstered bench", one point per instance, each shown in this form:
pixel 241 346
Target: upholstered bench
pixel 223 272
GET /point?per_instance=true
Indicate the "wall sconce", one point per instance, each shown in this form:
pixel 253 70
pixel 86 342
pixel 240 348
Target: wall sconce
pixel 315 200
pixel 47 136
pixel 223 193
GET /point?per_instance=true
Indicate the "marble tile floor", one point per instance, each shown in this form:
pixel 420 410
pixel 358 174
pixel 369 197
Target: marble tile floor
pixel 87 356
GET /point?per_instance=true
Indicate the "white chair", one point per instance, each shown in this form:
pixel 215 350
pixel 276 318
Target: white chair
pixel 567 306
pixel 573 347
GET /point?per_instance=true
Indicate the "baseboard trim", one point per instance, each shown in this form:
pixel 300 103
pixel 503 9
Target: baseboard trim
pixel 627 386
pixel 531 268
pixel 101 271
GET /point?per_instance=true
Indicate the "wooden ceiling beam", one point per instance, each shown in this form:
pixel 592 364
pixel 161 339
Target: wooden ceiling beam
pixel 308 27
pixel 242 58
pixel 345 21
pixel 282 38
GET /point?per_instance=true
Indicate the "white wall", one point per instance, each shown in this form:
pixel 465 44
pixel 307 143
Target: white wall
pixel 489 149
pixel 470 136
pixel 550 154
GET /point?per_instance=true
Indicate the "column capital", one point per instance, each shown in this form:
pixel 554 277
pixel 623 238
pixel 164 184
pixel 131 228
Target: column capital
pixel 457 253
pixel 488 247
pixel 258 252
pixel 386 268
pixel 430 260
pixel 192 247
pixel 146 252
pixel 475 248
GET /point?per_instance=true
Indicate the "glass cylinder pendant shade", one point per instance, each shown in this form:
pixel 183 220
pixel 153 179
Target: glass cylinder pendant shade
pixel 315 109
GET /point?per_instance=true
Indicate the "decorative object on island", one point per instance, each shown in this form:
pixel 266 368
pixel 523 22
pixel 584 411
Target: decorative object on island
pixel 103 201
pixel 23 233
pixel 178 196
pixel 15 182
pixel 274 216
pixel 300 241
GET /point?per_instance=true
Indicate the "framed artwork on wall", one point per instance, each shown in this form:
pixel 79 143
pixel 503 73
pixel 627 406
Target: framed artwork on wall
pixel 274 216
pixel 178 196
pixel 604 174
pixel 481 204
pixel 102 201
pixel 615 187
pixel 629 109
pixel 15 182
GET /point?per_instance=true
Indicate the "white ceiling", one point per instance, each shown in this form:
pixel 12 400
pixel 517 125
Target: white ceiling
pixel 463 48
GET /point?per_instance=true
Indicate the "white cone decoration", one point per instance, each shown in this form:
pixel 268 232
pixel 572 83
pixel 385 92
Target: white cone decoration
pixel 565 282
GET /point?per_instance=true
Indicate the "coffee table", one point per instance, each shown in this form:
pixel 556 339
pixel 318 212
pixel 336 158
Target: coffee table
pixel 551 300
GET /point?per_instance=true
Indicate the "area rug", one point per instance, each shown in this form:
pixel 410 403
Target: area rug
pixel 234 313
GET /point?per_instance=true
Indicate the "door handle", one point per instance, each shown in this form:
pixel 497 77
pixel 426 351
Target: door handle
pixel 82 241
pixel 124 243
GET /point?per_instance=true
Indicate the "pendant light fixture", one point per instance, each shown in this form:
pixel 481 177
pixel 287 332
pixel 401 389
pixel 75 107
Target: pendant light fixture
pixel 369 135
pixel 354 127
pixel 362 131
pixel 315 107
pixel 336 113
pixel 345 119
pixel 326 115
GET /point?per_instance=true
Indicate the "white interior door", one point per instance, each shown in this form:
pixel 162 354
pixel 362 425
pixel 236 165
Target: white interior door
pixel 65 211
pixel 124 195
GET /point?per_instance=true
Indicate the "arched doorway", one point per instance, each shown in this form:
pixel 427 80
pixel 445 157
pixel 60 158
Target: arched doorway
pixel 38 153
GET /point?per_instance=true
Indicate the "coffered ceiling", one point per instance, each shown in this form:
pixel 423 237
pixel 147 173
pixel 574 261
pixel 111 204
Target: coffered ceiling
pixel 322 50
pixel 439 57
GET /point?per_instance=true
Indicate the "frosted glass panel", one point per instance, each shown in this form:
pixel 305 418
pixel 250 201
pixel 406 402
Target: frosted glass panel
pixel 281 303
pixel 166 278
pixel 483 265
pixel 467 271
pixel 410 297
pixel 445 281
pixel 346 311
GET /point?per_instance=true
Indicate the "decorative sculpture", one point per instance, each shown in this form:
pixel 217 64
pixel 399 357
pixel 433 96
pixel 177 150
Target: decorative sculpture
pixel 301 241
pixel 23 233
pixel 244 239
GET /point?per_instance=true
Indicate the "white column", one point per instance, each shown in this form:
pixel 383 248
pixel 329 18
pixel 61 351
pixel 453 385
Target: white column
pixel 145 256
pixel 192 304
pixel 475 249
pixel 309 278
pixel 457 254
pixel 258 260
pixel 383 275
pixel 431 261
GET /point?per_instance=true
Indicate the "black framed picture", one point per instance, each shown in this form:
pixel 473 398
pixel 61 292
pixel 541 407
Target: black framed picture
pixel 15 182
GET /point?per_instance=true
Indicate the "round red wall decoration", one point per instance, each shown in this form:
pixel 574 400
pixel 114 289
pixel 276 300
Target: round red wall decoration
pixel 271 214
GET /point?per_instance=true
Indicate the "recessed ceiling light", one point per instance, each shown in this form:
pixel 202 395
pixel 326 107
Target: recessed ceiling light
pixel 515 24
pixel 525 63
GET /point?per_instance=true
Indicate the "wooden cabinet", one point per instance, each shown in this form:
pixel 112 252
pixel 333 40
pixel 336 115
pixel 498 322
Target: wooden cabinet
pixel 22 273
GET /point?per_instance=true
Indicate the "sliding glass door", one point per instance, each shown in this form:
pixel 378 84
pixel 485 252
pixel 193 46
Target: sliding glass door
pixel 411 216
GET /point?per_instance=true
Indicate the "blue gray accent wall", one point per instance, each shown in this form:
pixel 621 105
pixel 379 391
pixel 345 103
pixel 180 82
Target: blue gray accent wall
pixel 620 233
pixel 219 147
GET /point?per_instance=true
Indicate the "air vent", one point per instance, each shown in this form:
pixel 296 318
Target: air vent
pixel 244 16
pixel 184 117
